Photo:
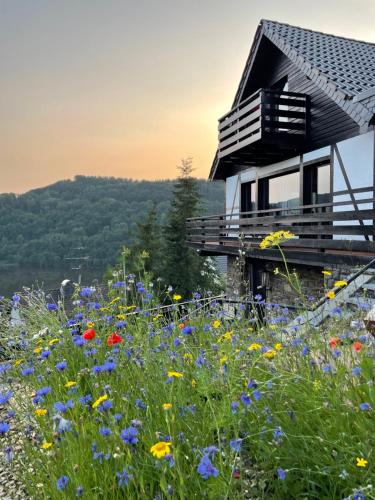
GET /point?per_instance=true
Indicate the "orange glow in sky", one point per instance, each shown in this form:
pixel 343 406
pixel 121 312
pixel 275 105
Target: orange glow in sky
pixel 126 89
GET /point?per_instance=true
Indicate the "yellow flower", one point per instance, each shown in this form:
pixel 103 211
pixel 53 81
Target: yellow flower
pixel 341 283
pixel 46 445
pixel 18 362
pixel 160 449
pixel 175 374
pixel 223 359
pixel 361 462
pixel 99 401
pixel 278 346
pixel 331 294
pixel 113 301
pixel 176 297
pixel 188 357
pixel 90 324
pixel 254 347
pixel 40 412
pixel 121 316
pixel 226 336
pixel 53 341
pixel 167 406
pixel 270 354
pixel 129 308
pixel 37 350
pixel 276 270
pixel 317 385
pixel 327 273
pixel 193 382
pixel 158 316
pixel 275 239
pixel 70 384
pixel 216 323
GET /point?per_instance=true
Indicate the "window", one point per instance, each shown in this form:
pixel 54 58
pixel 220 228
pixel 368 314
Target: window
pixel 248 197
pixel 283 191
pixel 317 184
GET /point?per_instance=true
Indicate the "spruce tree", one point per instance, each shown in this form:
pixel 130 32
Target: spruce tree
pixel 183 268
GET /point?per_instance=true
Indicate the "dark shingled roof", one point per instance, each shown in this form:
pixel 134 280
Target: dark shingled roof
pixel 343 68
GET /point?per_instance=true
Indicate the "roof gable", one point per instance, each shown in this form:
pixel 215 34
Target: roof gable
pixel 342 68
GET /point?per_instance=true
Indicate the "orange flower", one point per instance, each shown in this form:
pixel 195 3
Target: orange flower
pixel 114 339
pixel 333 341
pixel 357 346
pixel 181 326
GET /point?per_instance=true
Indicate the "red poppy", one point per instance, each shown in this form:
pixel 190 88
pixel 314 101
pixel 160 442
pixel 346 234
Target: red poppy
pixel 236 474
pixel 357 346
pixel 89 334
pixel 333 341
pixel 114 339
pixel 181 326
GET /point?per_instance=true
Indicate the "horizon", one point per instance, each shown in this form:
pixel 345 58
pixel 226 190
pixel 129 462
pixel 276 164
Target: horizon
pixel 125 90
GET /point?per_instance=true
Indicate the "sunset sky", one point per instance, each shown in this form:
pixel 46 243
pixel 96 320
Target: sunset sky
pixel 128 88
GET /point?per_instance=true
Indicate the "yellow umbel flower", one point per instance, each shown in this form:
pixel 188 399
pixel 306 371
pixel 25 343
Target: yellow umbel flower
pixel 361 462
pixel 167 406
pixel 18 362
pixel 174 374
pixel 278 346
pixel 270 354
pixel 40 412
pixel 160 449
pixel 254 347
pixel 90 324
pixel 70 384
pixel 331 294
pixel 46 445
pixel 38 350
pixel 317 385
pixel 275 239
pixel 341 283
pixel 223 359
pixel 327 273
pixel 176 297
pixel 193 382
pixel 121 316
pixel 216 324
pixel 226 337
pixel 99 401
pixel 188 357
pixel 53 341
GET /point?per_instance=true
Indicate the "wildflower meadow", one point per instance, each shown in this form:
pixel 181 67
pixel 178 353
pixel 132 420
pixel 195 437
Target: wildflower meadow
pixel 140 396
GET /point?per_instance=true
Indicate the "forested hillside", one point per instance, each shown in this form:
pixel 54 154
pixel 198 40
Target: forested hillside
pixel 40 228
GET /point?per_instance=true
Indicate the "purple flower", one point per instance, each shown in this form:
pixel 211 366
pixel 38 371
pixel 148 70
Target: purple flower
pixel 52 307
pixel 234 406
pixel 278 433
pixel 61 366
pixel 62 482
pixel 105 431
pixel 210 451
pixel 87 291
pixel 281 474
pixel 4 427
pixel 123 477
pixel 365 406
pixel 356 371
pixel 235 444
pixel 206 468
pixel 27 371
pixel 45 354
pixel 129 435
pixel 187 330
pixel 245 399
pixel 257 395
pixel 5 397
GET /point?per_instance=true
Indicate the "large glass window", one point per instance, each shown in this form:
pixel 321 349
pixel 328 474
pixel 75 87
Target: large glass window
pixel 248 198
pixel 283 191
pixel 317 184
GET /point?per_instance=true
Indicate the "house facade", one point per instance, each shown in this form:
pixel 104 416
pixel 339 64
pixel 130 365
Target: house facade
pixel 296 152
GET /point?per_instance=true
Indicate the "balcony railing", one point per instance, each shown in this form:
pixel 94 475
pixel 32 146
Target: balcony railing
pixel 266 117
pixel 325 227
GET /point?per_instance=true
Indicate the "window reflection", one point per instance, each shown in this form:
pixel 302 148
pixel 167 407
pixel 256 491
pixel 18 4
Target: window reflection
pixel 283 191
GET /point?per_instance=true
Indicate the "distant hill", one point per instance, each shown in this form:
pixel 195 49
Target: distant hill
pixel 40 228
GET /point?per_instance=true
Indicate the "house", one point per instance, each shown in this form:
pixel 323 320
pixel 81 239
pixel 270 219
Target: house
pixel 296 152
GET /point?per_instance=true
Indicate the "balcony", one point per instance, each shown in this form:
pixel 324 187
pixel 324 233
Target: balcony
pixel 328 232
pixel 268 126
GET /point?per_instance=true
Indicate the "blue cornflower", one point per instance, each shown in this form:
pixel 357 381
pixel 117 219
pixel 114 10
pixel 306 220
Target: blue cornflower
pixel 235 444
pixel 305 350
pixel 121 324
pixel 245 399
pixel 79 341
pixel 87 291
pixel 129 435
pixel 97 369
pixel 106 405
pixel 356 371
pixel 252 384
pixel 117 417
pixel 79 491
pixel 210 451
pixel 100 455
pixel 169 459
pixel 140 404
pixel 176 342
pixel 200 361
pixel 5 367
pixel 206 468
pixel 8 454
pixel 187 330
pixel 257 395
pixel 327 368
pixel 43 391
pixel 105 431
pixel 62 482
pixel 63 407
pixel 52 307
pixel 45 354
pixel 365 406
pixel 358 495
pixel 123 477
pixel 5 397
pixel 278 433
pixel 4 427
pixel 63 425
pixel 336 353
pixel 234 406
pixel 281 473
pixel 61 366
pixel 109 366
pixel 27 371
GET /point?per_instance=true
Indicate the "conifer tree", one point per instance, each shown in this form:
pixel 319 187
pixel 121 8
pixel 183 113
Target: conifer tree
pixel 183 268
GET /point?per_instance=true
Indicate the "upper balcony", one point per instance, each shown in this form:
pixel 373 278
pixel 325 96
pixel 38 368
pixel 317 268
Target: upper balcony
pixel 264 128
